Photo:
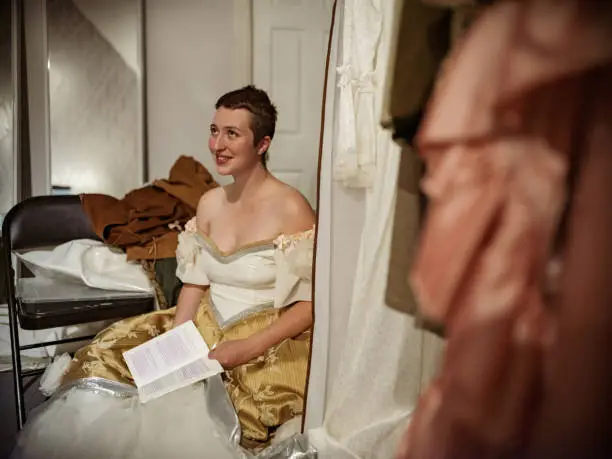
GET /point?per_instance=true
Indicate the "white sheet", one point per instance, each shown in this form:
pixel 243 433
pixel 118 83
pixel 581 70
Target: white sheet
pixel 325 274
pixel 91 262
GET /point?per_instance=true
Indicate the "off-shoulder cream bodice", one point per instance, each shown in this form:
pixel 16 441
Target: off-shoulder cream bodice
pixel 265 274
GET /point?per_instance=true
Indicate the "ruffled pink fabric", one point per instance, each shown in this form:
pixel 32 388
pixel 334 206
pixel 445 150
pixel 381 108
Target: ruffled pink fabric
pixel 506 116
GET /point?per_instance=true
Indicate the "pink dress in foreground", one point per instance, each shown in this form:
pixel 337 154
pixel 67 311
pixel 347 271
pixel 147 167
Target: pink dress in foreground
pixel 514 105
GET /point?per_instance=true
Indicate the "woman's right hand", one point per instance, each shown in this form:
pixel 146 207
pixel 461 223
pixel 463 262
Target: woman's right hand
pixel 231 354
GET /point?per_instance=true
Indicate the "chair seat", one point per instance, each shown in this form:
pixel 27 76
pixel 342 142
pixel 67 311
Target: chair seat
pixel 48 303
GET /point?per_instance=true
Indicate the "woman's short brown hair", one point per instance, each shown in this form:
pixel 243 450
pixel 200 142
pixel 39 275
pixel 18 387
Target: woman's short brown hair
pixel 263 112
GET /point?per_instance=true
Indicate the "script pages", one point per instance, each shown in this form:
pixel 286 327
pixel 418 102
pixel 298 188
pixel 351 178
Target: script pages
pixel 170 361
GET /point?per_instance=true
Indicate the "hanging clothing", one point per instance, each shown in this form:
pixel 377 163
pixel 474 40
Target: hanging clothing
pixel 406 224
pixel 424 33
pixel 423 37
pixel 365 339
pixel 517 100
pixel 357 121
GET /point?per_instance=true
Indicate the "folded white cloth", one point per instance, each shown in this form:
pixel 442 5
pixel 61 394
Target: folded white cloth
pixel 91 262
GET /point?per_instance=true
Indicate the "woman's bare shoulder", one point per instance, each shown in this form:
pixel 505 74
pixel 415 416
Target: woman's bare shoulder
pixel 295 211
pixel 209 205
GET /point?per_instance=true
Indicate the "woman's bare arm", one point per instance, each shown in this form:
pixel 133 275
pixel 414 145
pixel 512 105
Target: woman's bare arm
pixel 297 319
pixel 191 295
pixel 188 303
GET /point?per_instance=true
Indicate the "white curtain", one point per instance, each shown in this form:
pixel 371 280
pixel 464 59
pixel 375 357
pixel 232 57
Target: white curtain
pixel 331 233
pixel 368 360
pixel 340 221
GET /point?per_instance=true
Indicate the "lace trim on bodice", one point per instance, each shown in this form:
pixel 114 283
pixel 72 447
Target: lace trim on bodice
pixel 293 257
pixel 283 242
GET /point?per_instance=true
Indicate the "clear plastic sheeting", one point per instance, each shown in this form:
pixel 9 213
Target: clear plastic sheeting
pixel 91 262
pixel 295 447
pixel 98 418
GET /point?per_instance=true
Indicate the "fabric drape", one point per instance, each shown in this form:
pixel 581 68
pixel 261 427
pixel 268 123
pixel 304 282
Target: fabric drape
pixel 523 93
pixel 363 419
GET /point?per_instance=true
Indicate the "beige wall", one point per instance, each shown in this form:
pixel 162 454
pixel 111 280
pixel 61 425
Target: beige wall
pixel 194 54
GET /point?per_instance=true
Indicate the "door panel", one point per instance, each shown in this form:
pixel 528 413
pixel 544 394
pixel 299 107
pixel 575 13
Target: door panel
pixel 289 50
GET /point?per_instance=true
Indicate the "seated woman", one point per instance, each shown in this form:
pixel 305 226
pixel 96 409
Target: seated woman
pixel 245 261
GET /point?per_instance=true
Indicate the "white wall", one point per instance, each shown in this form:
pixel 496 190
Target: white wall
pixel 195 52
pixel 119 22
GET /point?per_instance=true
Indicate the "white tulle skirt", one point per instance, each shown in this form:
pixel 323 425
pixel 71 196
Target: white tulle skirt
pixel 96 418
pixel 90 423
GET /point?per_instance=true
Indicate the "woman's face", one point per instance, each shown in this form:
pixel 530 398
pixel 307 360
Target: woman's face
pixel 231 142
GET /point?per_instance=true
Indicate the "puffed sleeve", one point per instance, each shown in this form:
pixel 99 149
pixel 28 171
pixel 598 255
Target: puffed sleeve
pixel 189 268
pixel 293 257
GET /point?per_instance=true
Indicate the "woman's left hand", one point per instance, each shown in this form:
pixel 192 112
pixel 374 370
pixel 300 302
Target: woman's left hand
pixel 230 354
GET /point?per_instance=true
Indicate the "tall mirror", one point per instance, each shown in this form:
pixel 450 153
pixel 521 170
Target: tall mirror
pixel 95 77
pixel 247 270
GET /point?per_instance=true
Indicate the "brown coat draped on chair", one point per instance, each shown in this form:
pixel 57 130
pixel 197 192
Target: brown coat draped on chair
pixel 145 221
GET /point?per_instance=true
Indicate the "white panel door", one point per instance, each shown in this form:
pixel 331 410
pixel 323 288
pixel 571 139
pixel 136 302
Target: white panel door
pixel 289 50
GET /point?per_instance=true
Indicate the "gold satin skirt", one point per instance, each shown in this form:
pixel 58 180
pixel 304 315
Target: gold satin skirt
pixel 266 392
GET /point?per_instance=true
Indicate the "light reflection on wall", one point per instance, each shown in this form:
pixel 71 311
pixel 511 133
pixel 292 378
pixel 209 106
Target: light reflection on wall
pixel 94 103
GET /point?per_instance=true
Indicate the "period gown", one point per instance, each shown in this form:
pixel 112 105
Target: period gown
pixel 96 413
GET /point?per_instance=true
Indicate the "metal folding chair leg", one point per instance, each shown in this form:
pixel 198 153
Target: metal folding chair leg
pixel 16 357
